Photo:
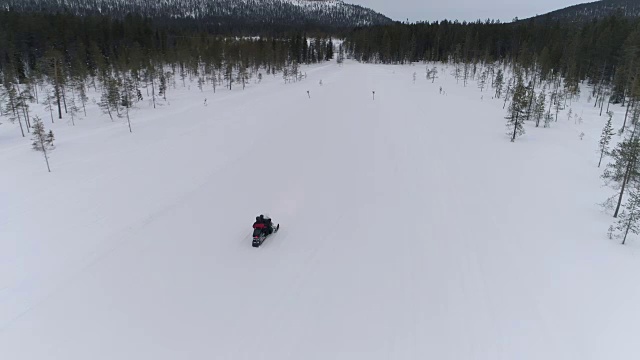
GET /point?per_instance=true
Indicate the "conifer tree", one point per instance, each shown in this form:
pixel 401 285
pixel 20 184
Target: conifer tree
pixel 48 105
pixel 482 81
pixel 623 170
pixel 629 220
pixel 516 113
pixel 538 110
pixel 605 138
pixel 498 83
pixel 49 139
pixel 126 97
pixel 40 139
pixel 73 110
pixel 340 58
pixel 81 88
pixel 12 105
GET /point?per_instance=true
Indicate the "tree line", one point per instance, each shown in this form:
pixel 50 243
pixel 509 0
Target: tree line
pixel 53 59
pixel 602 51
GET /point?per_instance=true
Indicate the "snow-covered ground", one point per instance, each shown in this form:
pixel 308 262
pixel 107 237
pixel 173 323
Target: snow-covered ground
pixel 411 228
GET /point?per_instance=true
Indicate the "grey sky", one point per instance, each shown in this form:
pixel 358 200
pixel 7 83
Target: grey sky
pixel 469 10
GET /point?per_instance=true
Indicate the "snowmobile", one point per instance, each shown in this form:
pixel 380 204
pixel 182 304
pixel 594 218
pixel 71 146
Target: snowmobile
pixel 260 235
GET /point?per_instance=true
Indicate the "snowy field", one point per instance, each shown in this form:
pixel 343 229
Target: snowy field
pixel 411 228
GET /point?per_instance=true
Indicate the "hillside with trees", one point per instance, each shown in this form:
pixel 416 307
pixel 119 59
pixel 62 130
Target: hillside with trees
pixel 593 10
pixel 239 16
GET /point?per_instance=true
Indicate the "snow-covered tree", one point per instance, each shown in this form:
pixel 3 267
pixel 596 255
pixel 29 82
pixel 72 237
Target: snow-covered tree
pixel 48 104
pixel 12 105
pixel 482 80
pixel 539 107
pixel 81 89
pixel 73 110
pixel 498 83
pixel 49 139
pixel 340 59
pixel 432 74
pixel 516 113
pixel 40 139
pixel 127 93
pixel 559 102
pixel 629 220
pixel 110 98
pixel 623 170
pixel 605 138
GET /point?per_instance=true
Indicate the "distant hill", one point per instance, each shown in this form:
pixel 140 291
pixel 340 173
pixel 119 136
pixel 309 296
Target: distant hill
pixel 328 13
pixel 593 10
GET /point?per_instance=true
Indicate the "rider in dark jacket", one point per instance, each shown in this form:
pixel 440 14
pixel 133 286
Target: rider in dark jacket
pixel 268 225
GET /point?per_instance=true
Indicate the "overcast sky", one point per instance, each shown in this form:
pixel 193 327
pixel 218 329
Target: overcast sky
pixel 469 10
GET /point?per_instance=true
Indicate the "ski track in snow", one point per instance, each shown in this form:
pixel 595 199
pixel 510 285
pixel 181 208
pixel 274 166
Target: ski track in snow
pixel 410 228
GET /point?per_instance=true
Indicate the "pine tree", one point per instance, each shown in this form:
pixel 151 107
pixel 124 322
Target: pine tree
pixel 12 106
pixel 127 92
pixel 498 83
pixel 559 103
pixel 104 104
pixel 80 87
pixel 340 59
pixel 432 74
pixel 605 138
pixel 538 110
pixel 40 139
pixel 49 139
pixel 482 81
pixel 629 220
pixel 48 105
pixel 73 110
pixel 623 170
pixel 516 112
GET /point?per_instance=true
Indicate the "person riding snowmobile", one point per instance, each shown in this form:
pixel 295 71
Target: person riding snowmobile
pixel 264 224
pixel 259 227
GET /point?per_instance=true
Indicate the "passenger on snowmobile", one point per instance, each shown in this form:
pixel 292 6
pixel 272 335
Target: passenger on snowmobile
pixel 259 224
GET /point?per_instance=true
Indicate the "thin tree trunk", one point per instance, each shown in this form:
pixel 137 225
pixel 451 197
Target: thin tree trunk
pixel 624 124
pixel 50 108
pixel 627 173
pixel 44 151
pixel 21 129
pixel 57 87
pixel 153 91
pixel 26 117
pixel 129 120
pixel 533 87
pixel 13 108
pixel 626 231
pixel 506 95
pixel 64 100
